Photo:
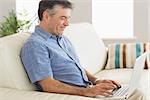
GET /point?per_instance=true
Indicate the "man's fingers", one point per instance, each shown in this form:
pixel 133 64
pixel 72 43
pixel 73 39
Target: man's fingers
pixel 106 86
pixel 117 84
pixel 109 86
pixel 106 93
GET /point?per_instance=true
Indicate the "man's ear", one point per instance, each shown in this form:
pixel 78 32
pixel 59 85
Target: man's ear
pixel 45 15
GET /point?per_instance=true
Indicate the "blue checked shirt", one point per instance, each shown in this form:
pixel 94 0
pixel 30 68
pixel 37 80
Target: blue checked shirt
pixel 45 55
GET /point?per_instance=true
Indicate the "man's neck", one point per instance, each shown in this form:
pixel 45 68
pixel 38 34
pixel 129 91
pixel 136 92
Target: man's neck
pixel 44 27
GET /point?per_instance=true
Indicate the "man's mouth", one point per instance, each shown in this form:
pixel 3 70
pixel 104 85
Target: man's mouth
pixel 62 28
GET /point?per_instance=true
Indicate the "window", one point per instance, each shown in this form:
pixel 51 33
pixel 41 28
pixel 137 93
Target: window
pixel 31 8
pixel 113 18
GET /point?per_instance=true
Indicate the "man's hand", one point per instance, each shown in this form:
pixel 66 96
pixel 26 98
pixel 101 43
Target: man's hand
pixel 103 89
pixel 114 83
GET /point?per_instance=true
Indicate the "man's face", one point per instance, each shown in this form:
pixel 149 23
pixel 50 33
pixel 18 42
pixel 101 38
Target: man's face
pixel 59 21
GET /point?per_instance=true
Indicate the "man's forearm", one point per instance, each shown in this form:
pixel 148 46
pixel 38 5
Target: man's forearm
pixel 54 86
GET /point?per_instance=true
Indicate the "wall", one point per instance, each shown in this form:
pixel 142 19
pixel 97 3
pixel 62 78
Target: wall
pixel 5 7
pixel 149 20
pixel 141 20
pixel 82 11
pixel 141 24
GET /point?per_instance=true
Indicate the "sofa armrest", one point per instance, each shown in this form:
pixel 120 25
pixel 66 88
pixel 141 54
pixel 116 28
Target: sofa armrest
pixel 14 94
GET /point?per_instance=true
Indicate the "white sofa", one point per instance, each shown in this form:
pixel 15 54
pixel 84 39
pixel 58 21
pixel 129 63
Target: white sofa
pixel 14 82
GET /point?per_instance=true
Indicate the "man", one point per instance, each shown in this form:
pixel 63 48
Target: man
pixel 50 59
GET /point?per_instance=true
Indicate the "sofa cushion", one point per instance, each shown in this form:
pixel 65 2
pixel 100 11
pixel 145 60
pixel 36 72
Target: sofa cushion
pixel 123 76
pixel 124 55
pixel 13 94
pixel 88 45
pixel 12 73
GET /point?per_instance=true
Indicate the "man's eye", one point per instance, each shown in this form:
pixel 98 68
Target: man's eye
pixel 63 18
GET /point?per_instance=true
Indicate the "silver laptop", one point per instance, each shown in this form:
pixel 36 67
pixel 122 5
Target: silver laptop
pixel 126 90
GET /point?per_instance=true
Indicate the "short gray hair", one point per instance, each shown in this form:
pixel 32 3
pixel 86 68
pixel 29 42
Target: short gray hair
pixel 50 5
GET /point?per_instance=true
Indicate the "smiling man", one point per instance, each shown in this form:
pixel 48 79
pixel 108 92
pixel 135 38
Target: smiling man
pixel 50 59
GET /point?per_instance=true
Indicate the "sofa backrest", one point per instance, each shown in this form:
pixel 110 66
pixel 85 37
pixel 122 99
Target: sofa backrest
pixel 12 73
pixel 88 45
pixel 90 49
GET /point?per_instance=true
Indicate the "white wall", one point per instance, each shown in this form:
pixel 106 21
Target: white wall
pixel 82 11
pixel 5 7
pixel 141 20
pixel 149 20
pixel 141 23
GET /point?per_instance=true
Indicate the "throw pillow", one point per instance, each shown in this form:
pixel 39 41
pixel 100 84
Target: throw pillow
pixel 124 55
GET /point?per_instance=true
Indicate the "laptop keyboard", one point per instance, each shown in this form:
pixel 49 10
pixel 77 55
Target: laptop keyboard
pixel 121 92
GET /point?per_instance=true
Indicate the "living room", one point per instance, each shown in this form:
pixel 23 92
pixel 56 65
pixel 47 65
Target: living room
pixel 105 28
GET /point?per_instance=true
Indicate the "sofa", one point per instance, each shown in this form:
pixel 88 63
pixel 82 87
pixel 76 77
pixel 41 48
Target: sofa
pixel 92 52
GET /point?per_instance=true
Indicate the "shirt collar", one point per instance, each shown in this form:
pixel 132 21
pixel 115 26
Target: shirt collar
pixel 44 34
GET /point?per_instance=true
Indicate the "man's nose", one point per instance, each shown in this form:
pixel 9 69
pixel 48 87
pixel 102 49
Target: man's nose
pixel 66 23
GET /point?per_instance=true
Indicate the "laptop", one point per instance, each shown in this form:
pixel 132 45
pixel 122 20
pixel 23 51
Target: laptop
pixel 126 90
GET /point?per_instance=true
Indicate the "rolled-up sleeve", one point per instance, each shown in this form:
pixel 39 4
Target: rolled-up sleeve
pixel 36 60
